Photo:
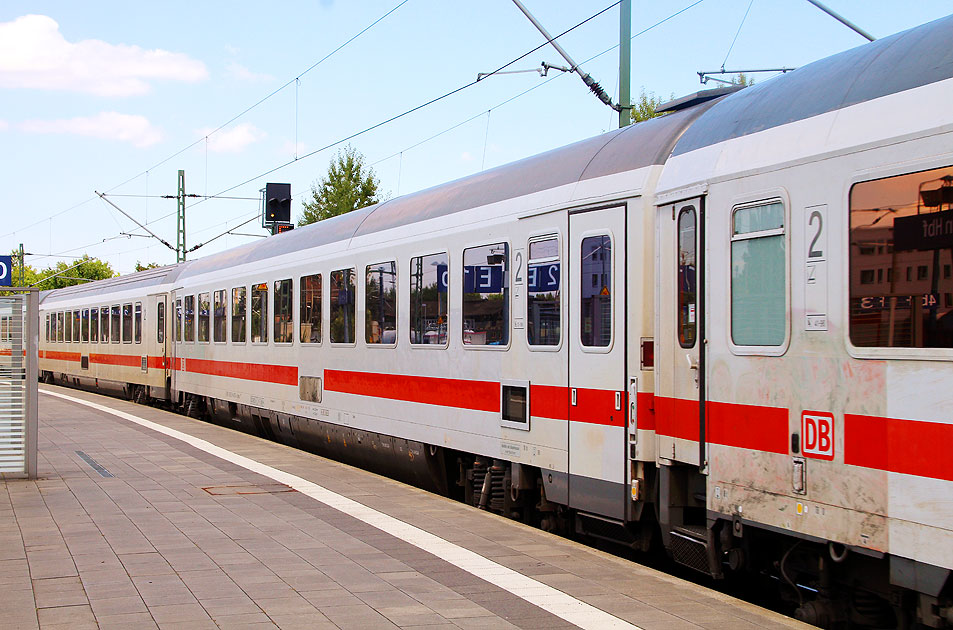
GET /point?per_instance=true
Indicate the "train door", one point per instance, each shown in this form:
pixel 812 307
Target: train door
pixel 680 346
pixel 597 360
pixel 162 333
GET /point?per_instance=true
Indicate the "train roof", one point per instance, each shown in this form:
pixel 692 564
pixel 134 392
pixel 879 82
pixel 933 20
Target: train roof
pixel 139 280
pixel 633 147
pixel 906 60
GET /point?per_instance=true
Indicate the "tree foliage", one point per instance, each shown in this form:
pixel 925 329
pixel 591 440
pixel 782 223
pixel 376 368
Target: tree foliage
pixel 348 185
pixel 141 267
pixel 645 106
pixel 85 269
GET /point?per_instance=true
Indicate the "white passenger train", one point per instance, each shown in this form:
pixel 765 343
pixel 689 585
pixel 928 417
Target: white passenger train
pixel 728 330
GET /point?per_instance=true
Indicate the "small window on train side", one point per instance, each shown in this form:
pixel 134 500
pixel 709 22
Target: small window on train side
pixel 239 310
pixel 68 327
pixel 127 323
pixel 177 320
pixel 47 318
pixel 310 307
pixel 85 325
pixel 380 303
pixel 595 324
pixel 94 325
pixel 903 224
pixel 758 275
pixel 160 321
pixel 686 299
pixel 284 310
pixel 259 313
pixel 59 327
pixel 189 318
pixel 77 325
pixel 542 292
pixel 485 295
pixel 219 319
pixel 342 306
pixel 137 322
pixel 103 324
pixel 204 317
pixel 429 299
pixel 115 324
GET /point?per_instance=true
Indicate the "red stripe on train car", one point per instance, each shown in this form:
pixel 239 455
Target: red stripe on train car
pixel 446 392
pixel 598 406
pixel 57 355
pixel 279 374
pixel 124 360
pixel 729 424
pixel 646 411
pixel 549 401
pixel 912 447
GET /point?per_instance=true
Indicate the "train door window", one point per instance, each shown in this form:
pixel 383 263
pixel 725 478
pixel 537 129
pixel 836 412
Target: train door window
pixel 219 321
pixel 284 310
pixel 758 275
pixel 380 303
pixel 543 317
pixel 310 307
pixel 686 278
pixel 47 319
pixel 909 218
pixel 595 330
pixel 103 324
pixel 137 322
pixel 189 318
pixel 160 321
pixel 94 325
pixel 486 296
pixel 429 299
pixel 84 326
pixel 259 313
pixel 115 324
pixel 127 323
pixel 239 310
pixel 177 320
pixel 342 306
pixel 204 317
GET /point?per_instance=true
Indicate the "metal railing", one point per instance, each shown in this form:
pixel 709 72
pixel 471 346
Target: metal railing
pixel 19 337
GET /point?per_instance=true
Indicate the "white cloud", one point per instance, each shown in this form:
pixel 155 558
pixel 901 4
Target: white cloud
pixel 134 129
pixel 4 125
pixel 240 72
pixel 34 54
pixel 290 148
pixel 232 140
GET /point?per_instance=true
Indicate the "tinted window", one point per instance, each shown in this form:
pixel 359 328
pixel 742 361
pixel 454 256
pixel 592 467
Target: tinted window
pixel 284 324
pixel 542 293
pixel 204 317
pixel 596 297
pixel 219 322
pixel 259 313
pixel 485 295
pixel 189 317
pixel 758 276
pixel 686 278
pixel 160 321
pixel 239 308
pixel 429 300
pixel 115 324
pixel 342 306
pixel 94 325
pixel 311 309
pixel 380 303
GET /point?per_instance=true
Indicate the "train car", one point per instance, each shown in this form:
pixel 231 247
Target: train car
pixel 725 331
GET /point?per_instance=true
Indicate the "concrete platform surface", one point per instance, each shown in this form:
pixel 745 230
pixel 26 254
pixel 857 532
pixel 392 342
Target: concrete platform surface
pixel 146 519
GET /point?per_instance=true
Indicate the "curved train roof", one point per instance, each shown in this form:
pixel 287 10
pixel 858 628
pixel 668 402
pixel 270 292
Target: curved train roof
pixel 903 61
pixel 138 281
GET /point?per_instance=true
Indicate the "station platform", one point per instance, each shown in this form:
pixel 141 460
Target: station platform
pixel 146 519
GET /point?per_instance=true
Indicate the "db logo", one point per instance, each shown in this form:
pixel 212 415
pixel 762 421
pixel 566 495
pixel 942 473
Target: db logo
pixel 817 434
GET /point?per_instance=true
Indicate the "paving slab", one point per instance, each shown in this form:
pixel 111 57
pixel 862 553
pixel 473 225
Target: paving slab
pixel 260 535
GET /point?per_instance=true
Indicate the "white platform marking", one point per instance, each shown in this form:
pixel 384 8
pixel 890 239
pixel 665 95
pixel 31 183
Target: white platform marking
pixel 546 597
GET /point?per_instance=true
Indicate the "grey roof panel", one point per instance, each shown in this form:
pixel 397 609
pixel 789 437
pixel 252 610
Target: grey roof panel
pixel 916 57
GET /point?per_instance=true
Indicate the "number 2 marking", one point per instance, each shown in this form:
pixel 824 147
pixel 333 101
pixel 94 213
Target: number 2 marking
pixel 519 268
pixel 811 252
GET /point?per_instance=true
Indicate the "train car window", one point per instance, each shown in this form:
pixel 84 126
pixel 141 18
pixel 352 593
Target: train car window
pixel 429 299
pixel 189 318
pixel 239 310
pixel 758 275
pixel 284 310
pixel 686 278
pixel 219 321
pixel 127 322
pixel 903 224
pixel 204 317
pixel 115 324
pixel 160 321
pixel 595 330
pixel 103 324
pixel 47 318
pixel 259 313
pixel 310 307
pixel 59 327
pixel 77 324
pixel 137 323
pixel 542 293
pixel 94 325
pixel 177 320
pixel 84 326
pixel 68 329
pixel 342 306
pixel 380 303
pixel 486 295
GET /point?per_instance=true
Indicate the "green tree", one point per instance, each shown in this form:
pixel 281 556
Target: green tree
pixel 85 269
pixel 349 185
pixel 141 267
pixel 742 79
pixel 645 106
pixel 30 274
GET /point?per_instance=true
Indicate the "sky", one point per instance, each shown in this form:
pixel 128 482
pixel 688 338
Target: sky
pixel 116 97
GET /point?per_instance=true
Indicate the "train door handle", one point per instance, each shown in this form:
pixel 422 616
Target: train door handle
pixel 573 396
pixel 693 365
